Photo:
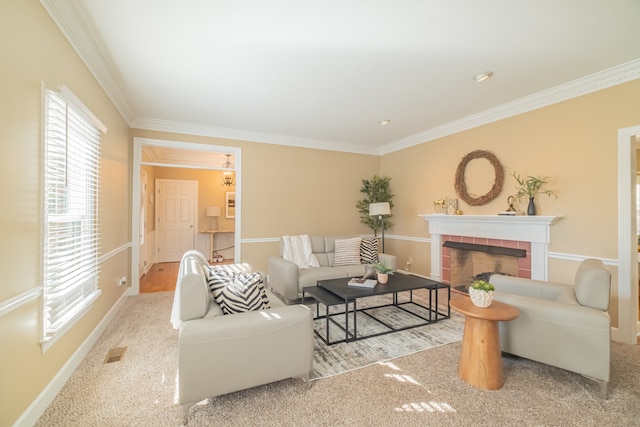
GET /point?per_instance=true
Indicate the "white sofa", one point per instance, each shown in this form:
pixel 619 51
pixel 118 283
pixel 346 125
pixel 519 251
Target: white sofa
pixel 220 354
pixel 566 326
pixel 287 279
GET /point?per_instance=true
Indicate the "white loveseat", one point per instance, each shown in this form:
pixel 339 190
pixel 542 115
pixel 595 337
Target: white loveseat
pixel 287 279
pixel 220 354
pixel 566 326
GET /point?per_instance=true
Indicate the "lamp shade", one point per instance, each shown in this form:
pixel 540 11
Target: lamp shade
pixel 382 208
pixel 213 211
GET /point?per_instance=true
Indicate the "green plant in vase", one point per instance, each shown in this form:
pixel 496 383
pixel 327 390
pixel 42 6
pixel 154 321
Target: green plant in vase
pixel 383 272
pixel 530 186
pixel 481 293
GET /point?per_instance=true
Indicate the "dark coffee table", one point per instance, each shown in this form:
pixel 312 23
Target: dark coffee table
pixel 337 292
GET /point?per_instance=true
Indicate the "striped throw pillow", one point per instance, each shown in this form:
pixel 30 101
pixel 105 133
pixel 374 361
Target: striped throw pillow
pixel 369 250
pixel 237 292
pixel 347 251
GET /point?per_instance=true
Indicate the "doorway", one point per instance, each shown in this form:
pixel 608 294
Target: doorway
pixel 183 155
pixel 628 327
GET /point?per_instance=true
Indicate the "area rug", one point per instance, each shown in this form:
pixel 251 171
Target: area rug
pixel 343 357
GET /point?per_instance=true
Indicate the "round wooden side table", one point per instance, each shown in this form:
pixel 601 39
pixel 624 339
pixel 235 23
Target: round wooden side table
pixel 480 359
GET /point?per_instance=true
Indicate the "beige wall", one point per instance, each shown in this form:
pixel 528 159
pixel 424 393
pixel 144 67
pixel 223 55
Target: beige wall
pixel 288 190
pixel 33 50
pixel 573 142
pixel 285 190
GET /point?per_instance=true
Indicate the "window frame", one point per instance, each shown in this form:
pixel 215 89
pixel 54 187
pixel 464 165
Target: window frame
pixel 71 143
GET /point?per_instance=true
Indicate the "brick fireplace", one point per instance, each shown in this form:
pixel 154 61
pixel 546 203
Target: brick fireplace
pixel 530 236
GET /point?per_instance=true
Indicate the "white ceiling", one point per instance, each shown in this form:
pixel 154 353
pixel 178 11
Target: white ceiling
pixel 324 73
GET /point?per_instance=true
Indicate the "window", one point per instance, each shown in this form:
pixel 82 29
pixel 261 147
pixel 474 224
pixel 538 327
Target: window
pixel 70 216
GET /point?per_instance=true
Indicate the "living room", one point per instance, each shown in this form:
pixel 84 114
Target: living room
pixel 295 189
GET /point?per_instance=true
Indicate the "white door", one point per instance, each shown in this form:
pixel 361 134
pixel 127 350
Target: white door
pixel 175 218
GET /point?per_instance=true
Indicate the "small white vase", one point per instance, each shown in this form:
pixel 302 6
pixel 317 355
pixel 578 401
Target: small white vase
pixel 481 298
pixel 383 278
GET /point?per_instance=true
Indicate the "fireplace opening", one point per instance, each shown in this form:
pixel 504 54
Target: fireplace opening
pixel 471 261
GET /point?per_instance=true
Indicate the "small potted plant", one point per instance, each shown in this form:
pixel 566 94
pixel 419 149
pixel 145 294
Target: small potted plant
pixel 530 186
pixel 383 272
pixel 481 293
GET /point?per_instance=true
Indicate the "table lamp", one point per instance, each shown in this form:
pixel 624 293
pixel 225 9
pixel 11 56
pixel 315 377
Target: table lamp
pixel 213 212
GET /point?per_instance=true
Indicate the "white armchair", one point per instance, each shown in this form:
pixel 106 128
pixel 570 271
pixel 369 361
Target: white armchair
pixel 219 354
pixel 566 326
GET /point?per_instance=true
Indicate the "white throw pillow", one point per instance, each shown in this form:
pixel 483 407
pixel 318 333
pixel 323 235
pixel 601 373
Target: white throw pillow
pixel 347 251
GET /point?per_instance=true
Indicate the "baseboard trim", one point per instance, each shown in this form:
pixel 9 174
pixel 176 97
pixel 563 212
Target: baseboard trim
pixel 31 415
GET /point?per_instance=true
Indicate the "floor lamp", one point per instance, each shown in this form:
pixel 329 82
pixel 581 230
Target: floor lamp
pixel 382 208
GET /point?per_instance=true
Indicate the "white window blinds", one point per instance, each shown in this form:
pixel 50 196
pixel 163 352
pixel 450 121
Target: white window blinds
pixel 71 238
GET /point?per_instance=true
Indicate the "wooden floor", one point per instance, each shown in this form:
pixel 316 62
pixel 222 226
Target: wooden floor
pixel 162 277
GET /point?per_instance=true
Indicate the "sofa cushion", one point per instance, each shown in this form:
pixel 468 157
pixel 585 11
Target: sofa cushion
pixel 347 251
pixel 237 292
pixel 369 250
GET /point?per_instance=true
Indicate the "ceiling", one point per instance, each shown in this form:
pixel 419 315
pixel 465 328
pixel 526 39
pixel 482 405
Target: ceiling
pixel 324 73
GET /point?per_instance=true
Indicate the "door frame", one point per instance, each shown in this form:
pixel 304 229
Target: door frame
pixel 627 241
pixel 138 143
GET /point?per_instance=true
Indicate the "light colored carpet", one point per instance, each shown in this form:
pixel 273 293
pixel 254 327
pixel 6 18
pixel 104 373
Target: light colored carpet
pixel 418 390
pixel 341 357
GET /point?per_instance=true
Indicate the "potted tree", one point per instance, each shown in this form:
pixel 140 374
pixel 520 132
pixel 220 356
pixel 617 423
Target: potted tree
pixel 376 190
pixel 530 186
pixel 383 272
pixel 481 293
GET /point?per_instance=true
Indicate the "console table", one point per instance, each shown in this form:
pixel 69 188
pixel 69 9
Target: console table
pixel 480 358
pixel 212 233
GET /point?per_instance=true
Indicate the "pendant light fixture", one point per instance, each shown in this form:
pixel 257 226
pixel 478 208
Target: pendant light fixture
pixel 228 174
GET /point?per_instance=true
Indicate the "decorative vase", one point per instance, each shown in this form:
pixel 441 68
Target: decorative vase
pixel 481 298
pixel 531 209
pixel 383 278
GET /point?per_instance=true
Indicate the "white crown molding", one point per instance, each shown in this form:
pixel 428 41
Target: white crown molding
pixel 73 25
pixel 71 22
pixel 246 135
pixel 595 82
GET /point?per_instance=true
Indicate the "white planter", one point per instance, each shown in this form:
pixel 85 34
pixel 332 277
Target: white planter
pixel 481 298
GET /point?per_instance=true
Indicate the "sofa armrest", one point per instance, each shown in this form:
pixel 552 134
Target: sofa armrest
pixel 390 260
pixel 283 277
pixel 557 313
pixel 517 285
pixel 223 354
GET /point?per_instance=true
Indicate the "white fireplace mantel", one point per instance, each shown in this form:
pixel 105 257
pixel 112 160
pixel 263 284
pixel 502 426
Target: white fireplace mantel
pixel 534 229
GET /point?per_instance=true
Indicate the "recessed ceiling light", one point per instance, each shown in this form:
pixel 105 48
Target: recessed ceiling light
pixel 384 122
pixel 483 76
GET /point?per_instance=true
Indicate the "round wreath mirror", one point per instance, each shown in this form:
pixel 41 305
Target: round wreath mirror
pixel 461 186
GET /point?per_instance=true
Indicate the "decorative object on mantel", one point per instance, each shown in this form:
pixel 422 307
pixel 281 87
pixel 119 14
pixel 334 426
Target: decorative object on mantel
pixel 451 206
pixel 510 210
pixel 438 205
pixel 481 293
pixel 383 272
pixel 460 184
pixel 530 186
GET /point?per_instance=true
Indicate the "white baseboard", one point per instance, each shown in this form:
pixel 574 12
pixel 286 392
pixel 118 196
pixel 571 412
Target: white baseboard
pixel 38 406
